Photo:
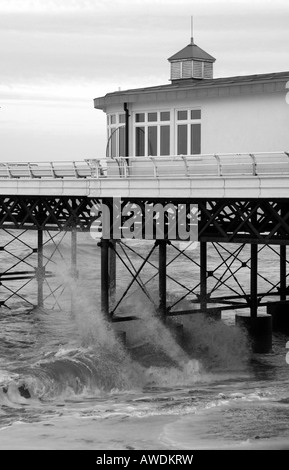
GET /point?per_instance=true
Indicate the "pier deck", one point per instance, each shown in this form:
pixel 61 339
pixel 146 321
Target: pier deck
pixel 241 199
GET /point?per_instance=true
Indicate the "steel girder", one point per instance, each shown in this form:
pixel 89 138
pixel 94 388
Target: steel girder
pixel 222 220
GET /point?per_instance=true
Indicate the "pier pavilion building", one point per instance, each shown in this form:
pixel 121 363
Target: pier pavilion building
pixel 198 114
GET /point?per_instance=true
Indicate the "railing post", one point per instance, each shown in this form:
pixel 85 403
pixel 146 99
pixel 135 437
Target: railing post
pixel 52 170
pixel 184 158
pixel 30 170
pixel 8 170
pixel 125 166
pixel 219 166
pixel 75 170
pixel 94 167
pixel 254 164
pixel 155 167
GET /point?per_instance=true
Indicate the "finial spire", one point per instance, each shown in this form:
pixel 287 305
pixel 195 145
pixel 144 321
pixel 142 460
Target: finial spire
pixel 192 29
pixel 191 62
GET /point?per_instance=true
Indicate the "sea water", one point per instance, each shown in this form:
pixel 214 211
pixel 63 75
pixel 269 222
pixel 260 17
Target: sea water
pixel 68 381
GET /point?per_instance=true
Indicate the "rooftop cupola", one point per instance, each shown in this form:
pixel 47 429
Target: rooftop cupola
pixel 191 62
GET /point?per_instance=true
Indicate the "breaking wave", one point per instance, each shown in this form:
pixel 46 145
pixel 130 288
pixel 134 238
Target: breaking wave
pixel 93 358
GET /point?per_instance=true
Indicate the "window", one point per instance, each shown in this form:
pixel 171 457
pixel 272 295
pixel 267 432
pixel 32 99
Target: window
pixel 165 116
pixel 152 117
pixel 139 117
pixel 188 132
pixel 115 135
pixel 140 141
pixel 121 139
pixel 152 133
pixel 182 115
pixel 196 114
pixel 165 140
pixel 113 151
pixel 195 139
pixel 152 141
pixel 182 139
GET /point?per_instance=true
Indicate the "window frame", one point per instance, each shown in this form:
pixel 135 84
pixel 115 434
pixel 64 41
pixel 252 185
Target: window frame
pixel 187 122
pixel 146 124
pixel 111 129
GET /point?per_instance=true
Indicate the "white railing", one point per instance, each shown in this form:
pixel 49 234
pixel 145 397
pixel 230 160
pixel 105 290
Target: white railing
pixel 211 165
pixel 92 168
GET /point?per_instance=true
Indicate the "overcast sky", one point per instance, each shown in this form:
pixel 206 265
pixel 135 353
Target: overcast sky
pixel 57 55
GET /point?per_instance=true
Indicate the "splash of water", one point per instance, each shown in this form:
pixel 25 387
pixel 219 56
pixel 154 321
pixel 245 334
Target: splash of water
pixel 86 353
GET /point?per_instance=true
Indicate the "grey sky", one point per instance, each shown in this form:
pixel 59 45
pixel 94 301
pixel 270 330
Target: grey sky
pixel 56 56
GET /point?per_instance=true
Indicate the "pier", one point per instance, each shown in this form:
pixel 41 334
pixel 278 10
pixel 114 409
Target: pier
pixel 226 200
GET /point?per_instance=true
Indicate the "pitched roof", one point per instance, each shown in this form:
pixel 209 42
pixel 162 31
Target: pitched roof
pixel 275 81
pixel 209 83
pixel 192 51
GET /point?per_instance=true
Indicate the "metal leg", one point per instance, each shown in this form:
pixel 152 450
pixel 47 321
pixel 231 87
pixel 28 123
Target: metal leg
pixel 254 278
pixel 112 268
pixel 203 273
pixel 74 253
pixel 73 269
pixel 40 268
pixel 104 277
pixel 282 272
pixel 163 278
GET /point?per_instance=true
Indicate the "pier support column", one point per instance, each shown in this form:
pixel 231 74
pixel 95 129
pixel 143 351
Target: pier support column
pixel 254 281
pixel 203 275
pixel 162 278
pixel 280 317
pixel 112 269
pixel 280 311
pixel 216 314
pixel 73 270
pixel 74 273
pixel 259 328
pixel 283 263
pixel 40 272
pixel 104 281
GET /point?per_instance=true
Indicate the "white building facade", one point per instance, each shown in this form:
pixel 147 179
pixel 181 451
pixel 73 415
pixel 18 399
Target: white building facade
pixel 197 114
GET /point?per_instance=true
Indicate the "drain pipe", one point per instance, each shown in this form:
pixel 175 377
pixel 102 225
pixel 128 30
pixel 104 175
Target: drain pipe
pixel 125 107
